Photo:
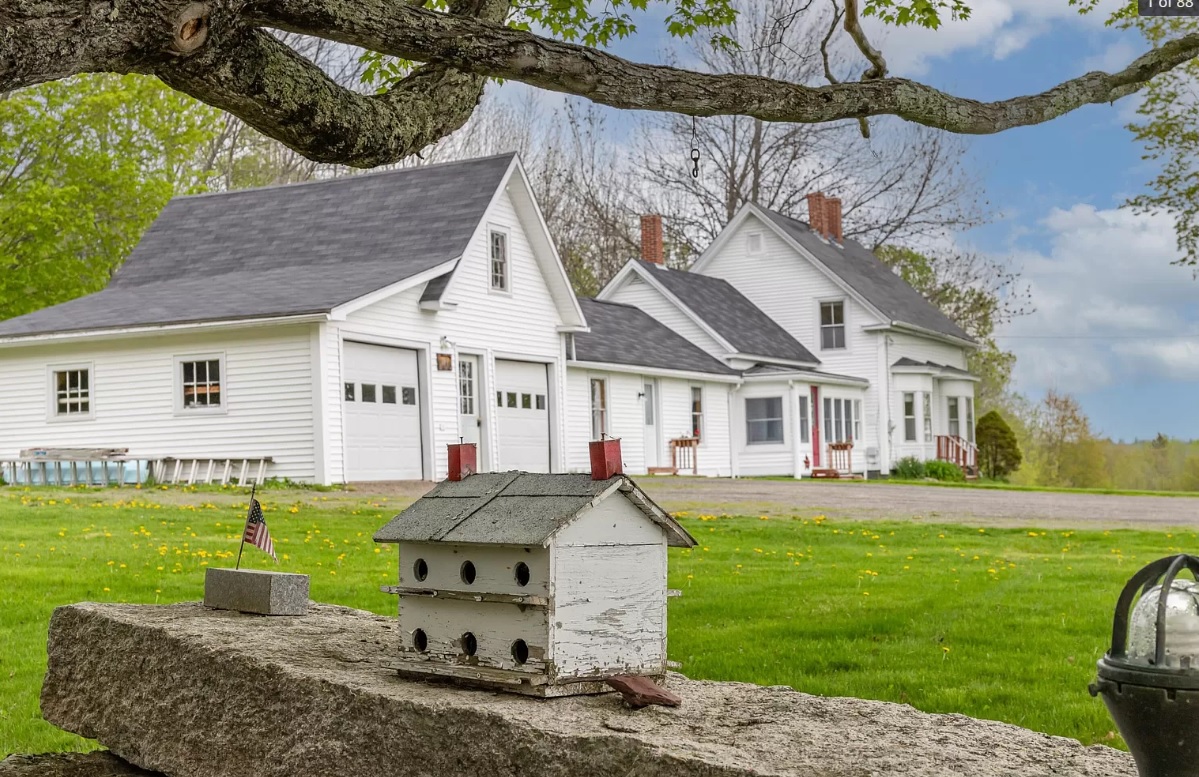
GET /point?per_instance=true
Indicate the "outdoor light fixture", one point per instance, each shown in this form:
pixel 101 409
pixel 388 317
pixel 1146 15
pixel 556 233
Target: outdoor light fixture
pixel 1150 678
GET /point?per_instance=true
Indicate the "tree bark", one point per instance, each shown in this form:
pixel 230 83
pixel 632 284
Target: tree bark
pixel 220 53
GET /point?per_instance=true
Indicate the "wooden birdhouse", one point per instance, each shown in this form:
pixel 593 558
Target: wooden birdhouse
pixel 539 584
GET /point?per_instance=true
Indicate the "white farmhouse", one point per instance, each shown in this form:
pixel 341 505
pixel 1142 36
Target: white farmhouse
pixel 886 379
pixel 347 329
pixel 538 584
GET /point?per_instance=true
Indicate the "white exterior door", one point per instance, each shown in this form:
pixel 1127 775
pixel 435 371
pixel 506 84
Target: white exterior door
pixel 468 398
pixel 652 441
pixel 522 415
pixel 381 401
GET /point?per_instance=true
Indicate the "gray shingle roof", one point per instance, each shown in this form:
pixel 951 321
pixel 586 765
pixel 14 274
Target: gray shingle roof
pixel 742 323
pixel 908 362
pixel 285 250
pixel 763 370
pixel 515 508
pixel 623 334
pixel 863 272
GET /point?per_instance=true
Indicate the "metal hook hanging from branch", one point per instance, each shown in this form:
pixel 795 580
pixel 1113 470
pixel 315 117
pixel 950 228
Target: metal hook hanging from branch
pixel 694 149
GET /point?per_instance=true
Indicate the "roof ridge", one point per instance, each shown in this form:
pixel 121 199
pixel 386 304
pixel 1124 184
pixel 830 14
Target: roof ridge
pixel 399 171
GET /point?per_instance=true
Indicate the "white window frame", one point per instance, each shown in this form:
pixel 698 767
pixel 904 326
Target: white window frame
pixel 926 409
pixel 467 401
pixel 953 417
pixel 752 238
pixel 805 420
pixel 696 417
pixel 492 231
pixel 221 409
pixel 52 392
pixel 599 413
pixel 970 422
pixel 844 325
pixel 781 419
pixel 913 418
pixel 841 419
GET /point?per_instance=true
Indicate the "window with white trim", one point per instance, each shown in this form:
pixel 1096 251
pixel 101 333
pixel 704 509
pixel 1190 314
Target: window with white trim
pixel 200 382
pixel 753 243
pixel 909 416
pixel 466 387
pixel 955 426
pixel 857 419
pixel 499 261
pixel 763 420
pixel 832 325
pixel 928 416
pixel 599 408
pixel 969 418
pixel 697 412
pixel 840 419
pixel 805 433
pixel 72 392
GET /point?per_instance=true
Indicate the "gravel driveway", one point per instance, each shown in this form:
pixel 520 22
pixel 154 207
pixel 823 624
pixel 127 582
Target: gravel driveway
pixel 857 500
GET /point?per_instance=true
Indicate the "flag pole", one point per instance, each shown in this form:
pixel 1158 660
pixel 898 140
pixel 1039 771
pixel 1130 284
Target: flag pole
pixel 253 491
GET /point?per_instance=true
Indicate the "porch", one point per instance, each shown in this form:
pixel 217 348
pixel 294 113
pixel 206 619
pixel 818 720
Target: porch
pixel 960 451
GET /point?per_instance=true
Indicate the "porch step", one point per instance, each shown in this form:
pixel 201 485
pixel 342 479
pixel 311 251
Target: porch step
pixel 663 471
pixel 826 473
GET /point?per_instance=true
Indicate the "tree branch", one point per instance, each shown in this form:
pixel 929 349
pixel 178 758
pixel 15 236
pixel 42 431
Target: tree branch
pixel 853 26
pixel 503 52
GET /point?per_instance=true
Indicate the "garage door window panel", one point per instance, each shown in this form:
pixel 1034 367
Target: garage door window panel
pixel 368 392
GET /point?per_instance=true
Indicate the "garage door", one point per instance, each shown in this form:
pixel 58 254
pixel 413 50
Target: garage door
pixel 382 413
pixel 522 409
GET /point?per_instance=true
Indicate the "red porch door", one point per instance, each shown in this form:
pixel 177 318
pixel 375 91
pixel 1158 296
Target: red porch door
pixel 815 427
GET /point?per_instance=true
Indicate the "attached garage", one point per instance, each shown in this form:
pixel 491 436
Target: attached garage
pixel 381 401
pixel 523 415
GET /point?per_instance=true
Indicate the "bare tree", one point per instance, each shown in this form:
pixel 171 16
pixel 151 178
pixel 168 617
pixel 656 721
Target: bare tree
pixel 905 182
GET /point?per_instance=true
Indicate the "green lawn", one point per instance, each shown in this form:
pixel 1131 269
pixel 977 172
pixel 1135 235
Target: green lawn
pixel 1003 624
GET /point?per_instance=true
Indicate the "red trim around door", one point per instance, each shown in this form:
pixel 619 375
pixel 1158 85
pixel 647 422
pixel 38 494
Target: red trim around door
pixel 815 427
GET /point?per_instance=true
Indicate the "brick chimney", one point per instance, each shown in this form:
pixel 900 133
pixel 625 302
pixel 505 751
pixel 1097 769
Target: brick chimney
pixel 817 213
pixel 832 219
pixel 463 460
pixel 651 238
pixel 605 459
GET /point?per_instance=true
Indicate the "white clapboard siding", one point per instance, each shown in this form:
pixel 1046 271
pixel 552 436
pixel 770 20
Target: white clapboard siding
pixel 521 323
pixel 625 417
pixel 766 458
pixel 266 386
pixel 675 406
pixel 638 293
pixel 609 593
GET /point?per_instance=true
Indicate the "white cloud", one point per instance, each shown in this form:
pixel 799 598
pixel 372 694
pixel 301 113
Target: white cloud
pixel 1110 306
pixel 999 27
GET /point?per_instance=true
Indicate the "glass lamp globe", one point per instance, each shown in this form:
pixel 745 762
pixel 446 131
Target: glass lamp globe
pixel 1182 626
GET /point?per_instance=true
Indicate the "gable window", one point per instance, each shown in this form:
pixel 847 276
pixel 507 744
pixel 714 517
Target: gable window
pixel 909 417
pixel 599 408
pixel 499 261
pixel 72 392
pixel 928 416
pixel 753 243
pixel 200 383
pixel 697 412
pixel 805 433
pixel 763 420
pixel 832 325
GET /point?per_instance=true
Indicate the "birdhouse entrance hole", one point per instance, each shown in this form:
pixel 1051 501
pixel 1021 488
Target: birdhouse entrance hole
pixel 522 576
pixel 420 640
pixel 520 651
pixel 470 645
pixel 468 572
pixel 420 570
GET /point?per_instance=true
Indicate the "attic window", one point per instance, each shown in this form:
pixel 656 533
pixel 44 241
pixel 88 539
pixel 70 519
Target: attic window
pixel 753 243
pixel 499 261
pixel 832 325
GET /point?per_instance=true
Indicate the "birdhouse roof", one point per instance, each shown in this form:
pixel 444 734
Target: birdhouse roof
pixel 517 508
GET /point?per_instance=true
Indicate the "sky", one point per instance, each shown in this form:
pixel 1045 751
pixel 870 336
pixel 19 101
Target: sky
pixel 1115 323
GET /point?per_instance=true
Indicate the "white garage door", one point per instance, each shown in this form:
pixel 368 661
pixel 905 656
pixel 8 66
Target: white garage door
pixel 382 413
pixel 522 409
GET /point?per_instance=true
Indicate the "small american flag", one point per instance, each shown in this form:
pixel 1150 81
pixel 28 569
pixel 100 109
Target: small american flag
pixel 256 532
